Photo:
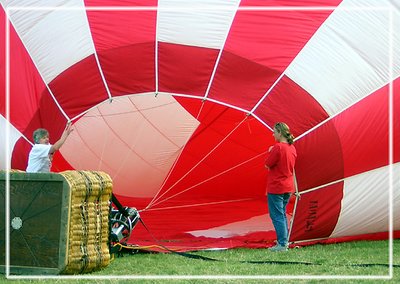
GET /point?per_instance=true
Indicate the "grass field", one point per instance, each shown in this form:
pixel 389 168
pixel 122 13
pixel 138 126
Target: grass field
pixel 340 263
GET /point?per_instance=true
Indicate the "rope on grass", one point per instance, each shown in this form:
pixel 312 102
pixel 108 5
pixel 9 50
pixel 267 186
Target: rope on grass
pixel 196 256
pixel 279 262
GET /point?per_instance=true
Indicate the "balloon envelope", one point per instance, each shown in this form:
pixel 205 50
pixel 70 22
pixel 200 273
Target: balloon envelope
pixel 176 102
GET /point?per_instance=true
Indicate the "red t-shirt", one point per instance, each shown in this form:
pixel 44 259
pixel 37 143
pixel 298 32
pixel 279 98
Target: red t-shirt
pixel 280 162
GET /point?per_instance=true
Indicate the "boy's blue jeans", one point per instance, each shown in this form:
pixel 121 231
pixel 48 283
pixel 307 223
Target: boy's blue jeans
pixel 277 211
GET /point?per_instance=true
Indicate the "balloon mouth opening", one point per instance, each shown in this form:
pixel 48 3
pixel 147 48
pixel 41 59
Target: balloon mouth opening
pixel 144 141
pixel 135 139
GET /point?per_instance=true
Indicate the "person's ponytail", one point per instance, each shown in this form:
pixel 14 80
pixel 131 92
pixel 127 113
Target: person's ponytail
pixel 283 128
pixel 290 138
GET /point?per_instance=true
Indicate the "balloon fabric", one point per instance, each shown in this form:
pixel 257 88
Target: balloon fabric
pixel 176 101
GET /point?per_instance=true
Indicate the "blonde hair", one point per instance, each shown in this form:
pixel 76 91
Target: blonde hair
pixel 284 130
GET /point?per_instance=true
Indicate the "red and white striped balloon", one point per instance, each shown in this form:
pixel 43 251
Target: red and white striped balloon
pixel 176 100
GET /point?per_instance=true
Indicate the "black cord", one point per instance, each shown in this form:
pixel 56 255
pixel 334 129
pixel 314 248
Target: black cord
pixel 120 208
pixel 196 256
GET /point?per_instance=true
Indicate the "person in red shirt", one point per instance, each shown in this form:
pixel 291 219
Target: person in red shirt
pixel 280 185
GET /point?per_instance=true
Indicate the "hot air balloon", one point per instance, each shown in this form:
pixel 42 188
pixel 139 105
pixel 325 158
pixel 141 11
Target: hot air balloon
pixel 176 101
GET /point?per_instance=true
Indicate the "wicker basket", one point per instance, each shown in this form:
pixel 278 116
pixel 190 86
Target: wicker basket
pixel 59 223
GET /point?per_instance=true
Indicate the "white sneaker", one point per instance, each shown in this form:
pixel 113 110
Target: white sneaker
pixel 277 248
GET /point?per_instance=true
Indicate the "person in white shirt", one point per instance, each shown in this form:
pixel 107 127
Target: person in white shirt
pixel 41 154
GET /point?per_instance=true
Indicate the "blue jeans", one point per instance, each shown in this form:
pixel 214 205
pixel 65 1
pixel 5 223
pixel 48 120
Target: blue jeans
pixel 277 211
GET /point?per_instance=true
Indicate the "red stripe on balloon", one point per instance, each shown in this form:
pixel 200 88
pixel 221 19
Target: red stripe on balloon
pixel 240 81
pixel 119 28
pixel 185 69
pixel 344 146
pixel 26 84
pixel 317 213
pixel 129 69
pixel 290 103
pixel 319 157
pixel 260 46
pixel 125 43
pixel 86 91
pixel 218 162
pixel 363 130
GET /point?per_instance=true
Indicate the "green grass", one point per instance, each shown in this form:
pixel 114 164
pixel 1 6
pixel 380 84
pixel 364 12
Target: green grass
pixel 334 260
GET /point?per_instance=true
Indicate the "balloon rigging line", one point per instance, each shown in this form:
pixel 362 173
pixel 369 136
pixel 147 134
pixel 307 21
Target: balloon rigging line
pixel 97 59
pixel 337 181
pixel 206 125
pixel 195 166
pixel 134 111
pixel 123 142
pixel 200 110
pixel 145 94
pixel 217 61
pixel 131 150
pixel 22 135
pixel 297 195
pixel 228 105
pixel 83 113
pixel 103 148
pixel 320 186
pixel 213 73
pixel 310 240
pixel 99 66
pixel 262 122
pixel 121 166
pixel 100 158
pixel 181 95
pixel 211 100
pixel 83 142
pixel 204 181
pixel 175 95
pixel 296 187
pixel 108 100
pixel 196 205
pixel 94 153
pixel 269 91
pixel 293 214
pixel 156 55
pixel 158 197
pixel 140 111
pixel 208 179
pixel 166 178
